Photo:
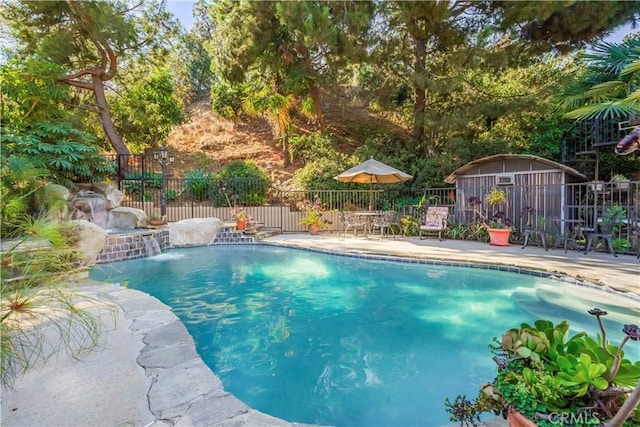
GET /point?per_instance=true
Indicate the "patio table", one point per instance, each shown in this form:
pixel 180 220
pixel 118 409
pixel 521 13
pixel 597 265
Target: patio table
pixel 369 218
pixel 572 230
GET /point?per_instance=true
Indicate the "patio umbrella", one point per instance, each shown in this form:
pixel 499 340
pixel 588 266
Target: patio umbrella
pixel 370 172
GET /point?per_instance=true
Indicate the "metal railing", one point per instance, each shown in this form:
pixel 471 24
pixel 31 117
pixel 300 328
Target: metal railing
pixel 548 207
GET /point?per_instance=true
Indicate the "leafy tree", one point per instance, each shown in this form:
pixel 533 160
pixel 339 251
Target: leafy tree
pixel 423 36
pixel 538 27
pixel 194 54
pixel 36 125
pixel 608 88
pixel 278 109
pixel 87 38
pixel 290 48
pixel 425 44
pixel 198 63
pixel 63 150
pixel 148 109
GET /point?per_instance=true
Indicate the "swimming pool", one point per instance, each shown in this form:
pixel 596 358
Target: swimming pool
pixel 326 339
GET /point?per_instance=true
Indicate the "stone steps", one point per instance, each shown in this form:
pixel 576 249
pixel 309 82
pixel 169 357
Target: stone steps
pixel 264 233
pixel 228 234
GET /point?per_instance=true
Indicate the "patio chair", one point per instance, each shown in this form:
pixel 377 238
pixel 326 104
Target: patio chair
pixel 353 222
pixel 604 234
pixel 385 223
pixel 435 219
pixel 531 231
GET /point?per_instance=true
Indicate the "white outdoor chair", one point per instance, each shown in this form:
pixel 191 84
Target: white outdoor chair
pixel 434 220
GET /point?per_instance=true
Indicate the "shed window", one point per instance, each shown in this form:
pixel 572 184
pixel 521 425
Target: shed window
pixel 505 179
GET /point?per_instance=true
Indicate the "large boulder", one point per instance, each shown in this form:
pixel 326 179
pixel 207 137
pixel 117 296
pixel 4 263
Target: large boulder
pixel 91 239
pixel 111 193
pixel 194 232
pixel 124 217
pixel 51 202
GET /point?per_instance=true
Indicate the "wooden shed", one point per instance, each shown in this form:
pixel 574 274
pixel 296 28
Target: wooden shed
pixel 529 181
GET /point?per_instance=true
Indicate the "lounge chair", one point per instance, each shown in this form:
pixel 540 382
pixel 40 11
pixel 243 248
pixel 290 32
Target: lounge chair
pixel 435 219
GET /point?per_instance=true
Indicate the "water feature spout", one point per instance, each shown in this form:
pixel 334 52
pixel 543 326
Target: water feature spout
pixel 92 207
pixel 151 245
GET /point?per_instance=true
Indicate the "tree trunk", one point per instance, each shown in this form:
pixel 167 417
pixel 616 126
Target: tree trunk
pixel 418 84
pixel 105 117
pixel 286 155
pixel 314 91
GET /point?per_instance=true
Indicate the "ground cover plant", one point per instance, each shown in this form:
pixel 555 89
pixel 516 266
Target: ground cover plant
pixel 551 376
pixel 39 314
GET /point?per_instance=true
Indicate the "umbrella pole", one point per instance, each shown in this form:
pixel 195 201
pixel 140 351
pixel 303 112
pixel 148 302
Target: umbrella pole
pixel 371 195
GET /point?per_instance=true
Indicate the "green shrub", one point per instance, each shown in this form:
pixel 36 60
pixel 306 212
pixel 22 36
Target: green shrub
pixel 170 195
pixel 197 182
pixel 41 315
pixel 245 179
pixel 410 226
pixel 226 100
pixel 318 174
pixel 133 181
pixel 67 153
pixel 314 146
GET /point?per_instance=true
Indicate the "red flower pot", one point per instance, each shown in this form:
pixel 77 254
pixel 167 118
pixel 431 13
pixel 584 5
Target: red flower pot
pixel 516 419
pixel 499 236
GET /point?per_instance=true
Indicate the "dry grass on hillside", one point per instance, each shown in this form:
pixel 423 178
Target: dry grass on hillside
pixel 208 141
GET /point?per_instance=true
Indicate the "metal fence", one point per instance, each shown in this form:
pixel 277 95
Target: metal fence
pixel 552 208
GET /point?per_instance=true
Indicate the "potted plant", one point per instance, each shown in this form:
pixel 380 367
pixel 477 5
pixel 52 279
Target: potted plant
pixel 241 216
pixel 155 220
pixel 621 182
pixel 498 226
pixel 313 218
pixel 547 377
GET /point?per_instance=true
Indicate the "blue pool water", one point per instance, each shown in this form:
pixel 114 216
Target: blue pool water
pixel 345 341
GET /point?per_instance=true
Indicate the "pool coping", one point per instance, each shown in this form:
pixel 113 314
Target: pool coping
pixel 467 264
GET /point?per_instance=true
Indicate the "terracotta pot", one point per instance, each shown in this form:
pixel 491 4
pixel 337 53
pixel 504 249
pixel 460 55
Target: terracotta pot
pixel 313 229
pixel 499 236
pixel 241 224
pixel 155 222
pixel 516 419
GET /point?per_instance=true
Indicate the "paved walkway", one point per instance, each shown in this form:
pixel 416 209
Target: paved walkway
pixel 620 273
pixel 147 373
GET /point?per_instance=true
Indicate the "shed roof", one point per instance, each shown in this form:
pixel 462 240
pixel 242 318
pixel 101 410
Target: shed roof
pixel 451 179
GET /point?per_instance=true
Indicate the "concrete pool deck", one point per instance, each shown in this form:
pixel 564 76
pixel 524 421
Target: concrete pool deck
pixel 147 373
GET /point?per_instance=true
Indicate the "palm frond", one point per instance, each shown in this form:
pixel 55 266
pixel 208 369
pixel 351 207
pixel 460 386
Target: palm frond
pixel 634 98
pixel 632 68
pixel 606 90
pixel 602 110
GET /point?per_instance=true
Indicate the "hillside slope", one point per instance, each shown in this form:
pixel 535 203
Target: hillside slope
pixel 208 141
